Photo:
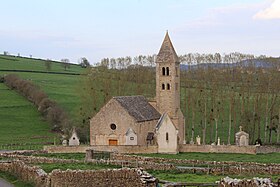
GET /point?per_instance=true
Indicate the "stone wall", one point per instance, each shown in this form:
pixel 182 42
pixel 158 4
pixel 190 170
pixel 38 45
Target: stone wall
pixel 38 160
pixel 119 149
pixel 267 149
pixel 116 178
pixel 66 149
pixel 255 182
pixel 217 149
pixel 77 178
pixel 199 166
pixel 30 174
pixel 127 149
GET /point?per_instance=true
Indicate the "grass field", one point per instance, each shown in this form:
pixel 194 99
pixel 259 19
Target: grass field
pixel 19 63
pixel 175 176
pixel 260 158
pixel 21 124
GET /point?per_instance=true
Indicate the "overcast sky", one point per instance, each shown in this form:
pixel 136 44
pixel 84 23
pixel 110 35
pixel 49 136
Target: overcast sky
pixel 95 29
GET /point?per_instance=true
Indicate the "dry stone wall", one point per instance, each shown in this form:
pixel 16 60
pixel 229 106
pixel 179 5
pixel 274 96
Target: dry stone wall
pixel 119 149
pixel 217 149
pixel 226 167
pixel 79 178
pixel 106 178
pixel 30 174
pixel 255 182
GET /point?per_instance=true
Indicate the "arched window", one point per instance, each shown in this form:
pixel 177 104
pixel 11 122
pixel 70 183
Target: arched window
pixel 167 71
pixel 166 136
pixel 168 86
pixel 162 86
pixel 163 70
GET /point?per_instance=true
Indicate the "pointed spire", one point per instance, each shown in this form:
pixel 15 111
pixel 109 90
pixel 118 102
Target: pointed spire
pixel 167 52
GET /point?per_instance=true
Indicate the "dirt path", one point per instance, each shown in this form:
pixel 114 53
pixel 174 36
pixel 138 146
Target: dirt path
pixel 4 183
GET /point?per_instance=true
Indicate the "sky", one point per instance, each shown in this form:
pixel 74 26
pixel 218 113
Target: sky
pixel 95 29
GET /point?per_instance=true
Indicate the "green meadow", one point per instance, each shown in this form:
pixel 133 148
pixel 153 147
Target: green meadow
pixel 21 125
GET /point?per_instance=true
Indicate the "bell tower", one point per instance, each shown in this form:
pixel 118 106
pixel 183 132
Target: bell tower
pixel 168 85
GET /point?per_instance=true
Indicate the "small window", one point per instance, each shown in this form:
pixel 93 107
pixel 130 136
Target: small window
pixel 166 136
pixel 168 86
pixel 74 138
pixel 167 71
pixel 176 69
pixel 113 126
pixel 163 87
pixel 163 71
pixel 131 138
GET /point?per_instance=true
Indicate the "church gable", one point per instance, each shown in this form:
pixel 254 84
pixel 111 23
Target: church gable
pixel 167 135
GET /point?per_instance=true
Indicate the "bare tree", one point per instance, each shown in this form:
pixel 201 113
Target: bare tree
pixel 65 63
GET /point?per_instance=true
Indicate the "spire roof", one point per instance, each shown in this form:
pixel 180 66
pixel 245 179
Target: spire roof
pixel 167 52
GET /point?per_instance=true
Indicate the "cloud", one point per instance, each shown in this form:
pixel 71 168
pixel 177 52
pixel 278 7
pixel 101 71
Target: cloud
pixel 272 12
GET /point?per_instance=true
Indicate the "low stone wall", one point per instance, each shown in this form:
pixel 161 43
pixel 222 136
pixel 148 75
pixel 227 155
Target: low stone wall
pixel 255 182
pixel 66 149
pixel 38 159
pixel 102 178
pixel 119 149
pixel 217 149
pixel 30 174
pixel 267 149
pixel 214 167
pixel 77 178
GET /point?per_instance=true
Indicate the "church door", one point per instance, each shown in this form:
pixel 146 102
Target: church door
pixel 113 142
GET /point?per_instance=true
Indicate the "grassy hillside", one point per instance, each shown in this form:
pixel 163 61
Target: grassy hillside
pixel 20 119
pixel 20 63
pixel 21 125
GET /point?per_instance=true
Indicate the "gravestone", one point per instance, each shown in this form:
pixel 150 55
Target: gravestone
pixel 198 140
pixel 219 141
pixel 241 138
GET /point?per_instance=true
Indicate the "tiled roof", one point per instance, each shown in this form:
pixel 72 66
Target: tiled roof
pixel 138 107
pixel 167 52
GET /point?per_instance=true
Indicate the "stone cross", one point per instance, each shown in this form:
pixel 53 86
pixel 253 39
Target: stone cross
pixel 240 128
pixel 219 141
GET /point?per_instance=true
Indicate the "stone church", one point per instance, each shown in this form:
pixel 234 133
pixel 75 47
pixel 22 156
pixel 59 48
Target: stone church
pixel 133 120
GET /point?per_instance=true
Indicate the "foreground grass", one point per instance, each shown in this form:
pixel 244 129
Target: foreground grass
pixel 22 126
pixel 13 180
pixel 75 166
pixel 175 176
pixel 260 158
